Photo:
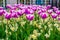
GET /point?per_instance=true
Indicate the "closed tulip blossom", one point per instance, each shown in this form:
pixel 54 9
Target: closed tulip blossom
pixel 16 5
pixel 31 11
pixel 22 7
pixel 48 7
pixel 30 17
pixel 20 12
pixel 55 9
pixel 1 12
pixel 44 15
pixel 58 12
pixel 54 16
pixel 1 8
pixel 14 15
pixel 50 11
pixel 43 10
pixel 7 15
pixel 13 8
pixel 8 6
pixel 27 11
pixel 11 11
pixel 39 12
pixel 34 8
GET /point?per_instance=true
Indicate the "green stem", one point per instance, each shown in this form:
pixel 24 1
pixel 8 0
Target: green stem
pixel 16 35
pixel 7 31
pixel 15 26
pixel 2 23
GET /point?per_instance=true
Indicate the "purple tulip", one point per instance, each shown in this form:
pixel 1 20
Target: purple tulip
pixel 50 11
pixel 29 6
pixel 14 15
pixel 34 8
pixel 20 12
pixel 55 9
pixel 22 7
pixel 44 15
pixel 13 8
pixel 31 11
pixel 1 12
pixel 48 7
pixel 58 12
pixel 8 6
pixel 58 18
pixel 12 11
pixel 4 11
pixel 1 8
pixel 54 16
pixel 23 10
pixel 43 10
pixel 27 11
pixel 7 15
pixel 30 17
pixel 39 12
pixel 16 5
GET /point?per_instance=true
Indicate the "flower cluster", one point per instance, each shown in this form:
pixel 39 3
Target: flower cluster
pixel 30 22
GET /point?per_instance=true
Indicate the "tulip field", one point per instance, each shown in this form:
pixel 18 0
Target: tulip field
pixel 29 22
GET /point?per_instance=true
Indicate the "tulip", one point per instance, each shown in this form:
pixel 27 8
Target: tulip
pixel 55 9
pixel 44 15
pixel 11 11
pixel 29 6
pixel 58 12
pixel 1 8
pixel 7 15
pixel 50 11
pixel 30 17
pixel 27 11
pixel 8 6
pixel 1 12
pixel 16 5
pixel 13 8
pixel 43 10
pixel 14 15
pixel 31 11
pixel 58 18
pixel 48 7
pixel 34 8
pixel 39 12
pixel 20 12
pixel 54 16
pixel 22 7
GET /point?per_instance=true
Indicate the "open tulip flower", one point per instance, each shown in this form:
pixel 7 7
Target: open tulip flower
pixel 29 22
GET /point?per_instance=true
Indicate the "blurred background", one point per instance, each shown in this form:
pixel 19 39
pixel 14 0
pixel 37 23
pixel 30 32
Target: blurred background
pixel 31 2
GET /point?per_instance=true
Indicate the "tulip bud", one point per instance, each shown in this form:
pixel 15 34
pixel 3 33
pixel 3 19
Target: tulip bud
pixel 58 12
pixel 39 12
pixel 50 11
pixel 20 13
pixel 49 6
pixel 1 8
pixel 44 15
pixel 14 15
pixel 54 15
pixel 1 12
pixel 8 6
pixel 7 15
pixel 43 10
pixel 27 11
pixel 30 17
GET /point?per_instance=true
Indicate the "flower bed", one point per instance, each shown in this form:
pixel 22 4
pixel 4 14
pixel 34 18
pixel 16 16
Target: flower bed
pixel 29 22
